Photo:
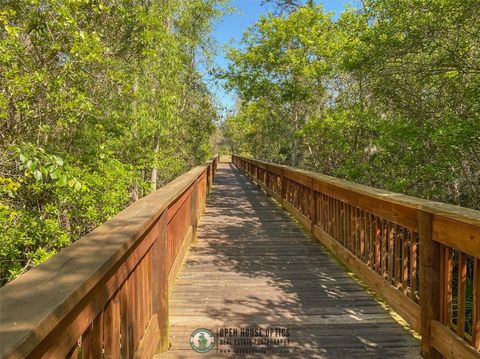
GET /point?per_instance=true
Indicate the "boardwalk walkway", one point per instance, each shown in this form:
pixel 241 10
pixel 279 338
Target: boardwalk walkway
pixel 254 267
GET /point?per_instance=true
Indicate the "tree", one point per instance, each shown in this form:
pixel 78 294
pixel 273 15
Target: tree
pixel 100 103
pixel 387 95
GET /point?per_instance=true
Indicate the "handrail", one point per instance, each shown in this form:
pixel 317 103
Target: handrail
pixel 106 295
pixel 407 249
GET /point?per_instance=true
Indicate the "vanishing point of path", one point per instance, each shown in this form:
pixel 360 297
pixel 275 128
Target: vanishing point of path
pixel 253 266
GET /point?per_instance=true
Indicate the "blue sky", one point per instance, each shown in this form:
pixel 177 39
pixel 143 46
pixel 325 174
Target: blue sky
pixel 229 31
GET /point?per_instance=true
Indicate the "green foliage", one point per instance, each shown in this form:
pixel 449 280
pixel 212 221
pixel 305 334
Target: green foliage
pixel 100 103
pixel 387 95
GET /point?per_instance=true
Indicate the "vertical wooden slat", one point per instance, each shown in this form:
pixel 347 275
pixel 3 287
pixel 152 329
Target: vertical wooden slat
pixel 352 228
pixel 448 285
pixel 378 241
pixel 148 286
pixel 344 224
pixel 363 225
pixel 349 226
pixel 132 288
pixel 125 321
pixel 476 304
pixel 371 222
pixel 145 293
pixel 405 256
pixel 429 282
pixel 339 222
pixel 92 347
pixel 413 265
pixel 462 293
pixel 112 328
pixel 398 258
pixel 356 227
pixel 87 344
pixel 133 300
pixel 384 241
pixel 335 219
pixel 329 214
pixel 390 251
pixel 313 209
pixel 74 352
pixel 445 285
pixel 140 319
pixel 159 281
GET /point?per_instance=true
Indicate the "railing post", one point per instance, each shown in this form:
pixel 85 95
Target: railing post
pixel 429 273
pixel 160 288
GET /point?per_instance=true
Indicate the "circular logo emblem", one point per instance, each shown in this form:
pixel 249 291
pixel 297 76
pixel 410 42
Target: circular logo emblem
pixel 202 340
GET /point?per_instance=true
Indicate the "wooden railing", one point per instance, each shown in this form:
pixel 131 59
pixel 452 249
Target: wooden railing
pixel 106 295
pixel 421 257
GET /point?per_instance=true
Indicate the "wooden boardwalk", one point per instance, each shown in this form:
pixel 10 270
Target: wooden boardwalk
pixel 253 266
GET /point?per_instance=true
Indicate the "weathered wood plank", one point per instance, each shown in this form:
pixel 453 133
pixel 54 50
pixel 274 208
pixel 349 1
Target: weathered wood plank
pixel 248 269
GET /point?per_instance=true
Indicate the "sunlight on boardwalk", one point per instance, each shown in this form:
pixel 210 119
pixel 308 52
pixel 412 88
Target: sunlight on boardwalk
pixel 254 267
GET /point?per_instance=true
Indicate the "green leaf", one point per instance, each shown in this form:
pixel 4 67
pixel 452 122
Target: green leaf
pixel 62 180
pixel 30 165
pixel 58 161
pixel 55 174
pixel 38 175
pixel 22 158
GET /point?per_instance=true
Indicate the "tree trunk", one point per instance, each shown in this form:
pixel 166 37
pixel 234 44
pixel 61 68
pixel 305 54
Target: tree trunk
pixel 135 190
pixel 156 148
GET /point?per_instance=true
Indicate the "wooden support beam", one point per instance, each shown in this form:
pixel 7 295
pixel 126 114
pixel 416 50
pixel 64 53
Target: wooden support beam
pixel 429 283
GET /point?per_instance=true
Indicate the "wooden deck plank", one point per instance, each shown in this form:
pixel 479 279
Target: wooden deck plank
pixel 253 266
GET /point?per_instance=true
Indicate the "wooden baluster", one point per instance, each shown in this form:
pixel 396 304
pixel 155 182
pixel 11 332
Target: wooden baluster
pixel 378 244
pixel 74 353
pixel 353 243
pixel 445 285
pixel 405 256
pixel 320 210
pixel 429 281
pixel 398 258
pixel 159 281
pixel 351 238
pixel 371 222
pixel 363 225
pixel 448 288
pixel 126 317
pixel 413 265
pixel 476 304
pixel 384 241
pixel 337 221
pixel 462 293
pixel 358 226
pixel 343 224
pixel 148 285
pixel 111 329
pixel 137 297
pixel 332 217
pixel 390 251
pixel 313 207
pixel 92 347
pixel 145 293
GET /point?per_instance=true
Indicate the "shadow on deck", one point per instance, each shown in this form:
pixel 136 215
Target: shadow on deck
pixel 253 266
